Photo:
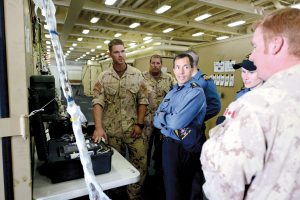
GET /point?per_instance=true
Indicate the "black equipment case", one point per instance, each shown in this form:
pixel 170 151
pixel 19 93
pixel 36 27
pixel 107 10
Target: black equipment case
pixel 64 164
pixel 60 153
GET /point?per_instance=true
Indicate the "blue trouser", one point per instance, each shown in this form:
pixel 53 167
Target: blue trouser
pixel 182 172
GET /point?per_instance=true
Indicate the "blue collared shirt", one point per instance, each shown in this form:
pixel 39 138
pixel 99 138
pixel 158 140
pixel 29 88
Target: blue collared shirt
pixel 242 92
pixel 212 97
pixel 182 105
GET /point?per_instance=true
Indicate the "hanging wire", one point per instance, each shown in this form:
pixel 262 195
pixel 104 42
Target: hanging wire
pixel 77 118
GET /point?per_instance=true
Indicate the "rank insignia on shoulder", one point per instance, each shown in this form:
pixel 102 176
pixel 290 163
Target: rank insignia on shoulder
pixel 205 77
pixel 193 85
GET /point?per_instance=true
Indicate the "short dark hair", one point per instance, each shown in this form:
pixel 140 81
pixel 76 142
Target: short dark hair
pixel 156 56
pixel 184 55
pixel 114 42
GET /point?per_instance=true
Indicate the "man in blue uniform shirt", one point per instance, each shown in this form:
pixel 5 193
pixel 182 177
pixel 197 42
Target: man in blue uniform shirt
pixel 180 117
pixel 210 90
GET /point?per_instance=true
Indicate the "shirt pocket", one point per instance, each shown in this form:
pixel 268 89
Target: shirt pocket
pixel 133 90
pixel 110 94
pixel 165 105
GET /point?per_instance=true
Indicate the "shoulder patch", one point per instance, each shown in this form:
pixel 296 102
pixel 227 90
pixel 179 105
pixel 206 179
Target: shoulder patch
pixel 193 85
pixel 205 77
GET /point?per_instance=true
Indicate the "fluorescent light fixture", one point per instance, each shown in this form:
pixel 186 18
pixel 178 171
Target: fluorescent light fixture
pixel 148 41
pixel 92 50
pixel 46 26
pixel 134 25
pixel 106 41
pixel 87 53
pixel 79 39
pixel 157 43
pixel 132 44
pixel 48 47
pixel 110 2
pixel 202 17
pixel 162 9
pixel 94 20
pixel 47 36
pixel 68 51
pixel 118 34
pixel 98 46
pixel 102 54
pixel 71 48
pixel 296 6
pixel 222 37
pixel 197 34
pixel 48 50
pixel 237 23
pixel 74 44
pixel 168 30
pixel 147 38
pixel 48 42
pixel 85 31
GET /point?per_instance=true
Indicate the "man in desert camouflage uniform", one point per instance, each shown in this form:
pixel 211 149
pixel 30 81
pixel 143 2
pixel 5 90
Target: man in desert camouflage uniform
pixel 254 153
pixel 158 85
pixel 119 108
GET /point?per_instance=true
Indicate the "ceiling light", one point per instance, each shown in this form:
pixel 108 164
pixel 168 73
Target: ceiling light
pixel 46 27
pixel 74 44
pixel 98 46
pixel 85 31
pixel 118 34
pixel 147 38
pixel 134 25
pixel 71 48
pixel 202 17
pixel 197 34
pixel 168 30
pixel 47 36
pixel 87 53
pixel 68 51
pixel 296 6
pixel 222 37
pixel 110 2
pixel 237 23
pixel 48 47
pixel 92 50
pixel 148 41
pixel 94 20
pixel 48 42
pixel 106 41
pixel 102 54
pixel 79 39
pixel 162 9
pixel 48 50
pixel 132 44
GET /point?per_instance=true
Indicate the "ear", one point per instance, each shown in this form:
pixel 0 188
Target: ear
pixel 276 44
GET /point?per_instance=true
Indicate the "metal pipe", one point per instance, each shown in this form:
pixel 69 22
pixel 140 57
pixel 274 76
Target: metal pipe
pixel 4 111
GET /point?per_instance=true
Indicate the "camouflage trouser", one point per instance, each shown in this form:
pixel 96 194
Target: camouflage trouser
pixel 136 156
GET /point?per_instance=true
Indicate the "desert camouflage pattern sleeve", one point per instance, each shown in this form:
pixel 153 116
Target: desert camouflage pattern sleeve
pixel 143 92
pixel 98 92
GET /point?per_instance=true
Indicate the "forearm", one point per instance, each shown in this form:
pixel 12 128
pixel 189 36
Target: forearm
pixel 141 113
pixel 97 115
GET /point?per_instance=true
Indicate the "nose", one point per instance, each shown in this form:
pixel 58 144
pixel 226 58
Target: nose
pixel 251 56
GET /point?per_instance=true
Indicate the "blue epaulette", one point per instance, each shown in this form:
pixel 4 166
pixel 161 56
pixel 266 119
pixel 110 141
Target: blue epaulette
pixel 205 77
pixel 194 84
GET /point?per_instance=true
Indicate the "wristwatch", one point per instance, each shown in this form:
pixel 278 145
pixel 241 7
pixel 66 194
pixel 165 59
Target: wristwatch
pixel 140 125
